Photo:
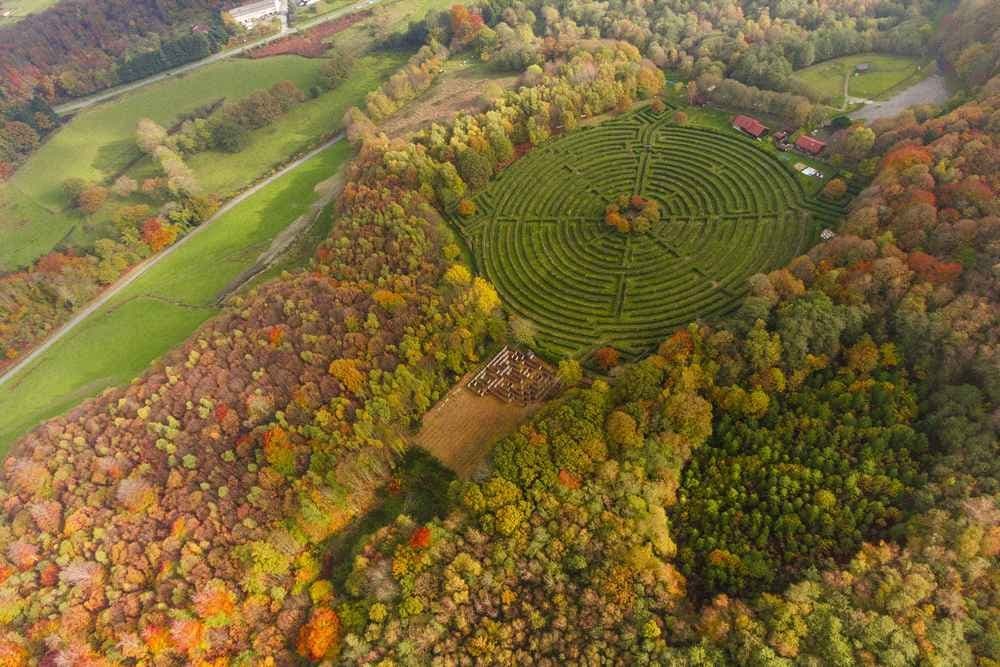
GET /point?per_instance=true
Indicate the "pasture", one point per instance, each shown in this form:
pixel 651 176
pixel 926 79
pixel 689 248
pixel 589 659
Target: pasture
pixel 163 307
pixel 886 74
pixel 730 209
pixel 295 132
pixel 12 11
pixel 98 143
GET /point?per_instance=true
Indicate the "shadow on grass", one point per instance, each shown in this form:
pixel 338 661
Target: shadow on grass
pixel 422 493
pixel 116 157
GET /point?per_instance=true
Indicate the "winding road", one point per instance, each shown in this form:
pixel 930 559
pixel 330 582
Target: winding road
pixel 84 102
pixel 140 269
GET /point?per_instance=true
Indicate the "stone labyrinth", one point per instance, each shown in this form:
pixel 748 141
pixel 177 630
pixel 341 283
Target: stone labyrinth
pixel 729 210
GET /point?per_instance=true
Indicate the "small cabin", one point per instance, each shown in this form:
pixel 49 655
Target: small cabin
pixel 750 126
pixel 810 145
pixel 253 13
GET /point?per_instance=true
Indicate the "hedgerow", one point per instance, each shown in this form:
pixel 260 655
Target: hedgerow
pixel 728 210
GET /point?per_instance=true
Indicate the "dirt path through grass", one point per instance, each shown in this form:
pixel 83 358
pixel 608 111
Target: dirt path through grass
pixel 148 264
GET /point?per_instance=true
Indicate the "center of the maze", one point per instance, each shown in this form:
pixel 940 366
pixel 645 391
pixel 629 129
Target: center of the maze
pixel 632 214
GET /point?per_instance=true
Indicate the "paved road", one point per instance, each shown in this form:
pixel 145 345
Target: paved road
pixel 932 90
pixel 84 102
pixel 140 269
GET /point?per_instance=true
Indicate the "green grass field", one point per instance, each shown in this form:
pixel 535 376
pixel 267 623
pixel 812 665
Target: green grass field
pixel 887 73
pixel 295 132
pixel 12 11
pixel 99 142
pixel 730 208
pixel 306 14
pixel 163 307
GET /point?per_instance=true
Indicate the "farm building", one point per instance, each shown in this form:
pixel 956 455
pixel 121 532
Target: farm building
pixel 751 126
pixel 515 376
pixel 253 13
pixel 827 234
pixel 862 67
pixel 810 145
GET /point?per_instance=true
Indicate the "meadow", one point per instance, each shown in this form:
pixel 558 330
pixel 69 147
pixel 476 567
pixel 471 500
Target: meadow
pixel 163 307
pixel 730 209
pixel 166 304
pixel 99 142
pixel 886 74
pixel 12 11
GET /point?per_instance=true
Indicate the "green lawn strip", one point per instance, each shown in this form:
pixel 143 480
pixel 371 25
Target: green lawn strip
pixel 110 348
pixel 99 142
pixel 300 253
pixel 163 307
pixel 887 73
pixel 321 8
pixel 20 8
pixel 300 129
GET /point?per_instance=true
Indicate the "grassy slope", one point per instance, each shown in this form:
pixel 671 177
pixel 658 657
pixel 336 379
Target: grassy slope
pixel 21 8
pixel 887 73
pixel 294 133
pixel 112 347
pixel 99 142
pixel 160 309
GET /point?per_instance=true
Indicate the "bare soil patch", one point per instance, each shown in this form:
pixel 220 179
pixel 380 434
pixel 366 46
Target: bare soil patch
pixel 450 96
pixel 461 429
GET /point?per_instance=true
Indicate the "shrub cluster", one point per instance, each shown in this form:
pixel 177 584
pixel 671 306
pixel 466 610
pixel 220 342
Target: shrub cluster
pixel 632 214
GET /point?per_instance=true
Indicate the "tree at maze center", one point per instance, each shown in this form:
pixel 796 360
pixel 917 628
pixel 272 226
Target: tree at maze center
pixel 632 214
pixel 546 234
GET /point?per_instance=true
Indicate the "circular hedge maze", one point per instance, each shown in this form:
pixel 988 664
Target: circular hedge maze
pixel 729 210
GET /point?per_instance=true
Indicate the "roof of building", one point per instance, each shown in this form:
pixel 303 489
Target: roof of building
pixel 252 8
pixel 751 126
pixel 862 67
pixel 810 144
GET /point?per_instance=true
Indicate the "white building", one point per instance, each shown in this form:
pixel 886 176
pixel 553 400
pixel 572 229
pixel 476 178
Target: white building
pixel 251 14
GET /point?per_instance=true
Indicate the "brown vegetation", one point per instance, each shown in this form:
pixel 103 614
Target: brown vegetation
pixel 461 428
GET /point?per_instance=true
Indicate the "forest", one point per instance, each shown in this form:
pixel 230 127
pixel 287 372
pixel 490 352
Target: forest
pixel 809 477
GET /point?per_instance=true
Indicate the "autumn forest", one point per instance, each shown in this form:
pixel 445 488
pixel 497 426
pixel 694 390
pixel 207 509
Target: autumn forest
pixel 771 360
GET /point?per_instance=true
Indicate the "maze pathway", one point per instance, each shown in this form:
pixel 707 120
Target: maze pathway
pixel 729 209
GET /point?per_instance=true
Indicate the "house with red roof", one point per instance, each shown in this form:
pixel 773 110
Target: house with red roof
pixel 751 126
pixel 810 145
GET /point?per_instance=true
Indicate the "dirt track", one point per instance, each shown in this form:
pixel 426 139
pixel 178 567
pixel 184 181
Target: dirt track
pixel 931 90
